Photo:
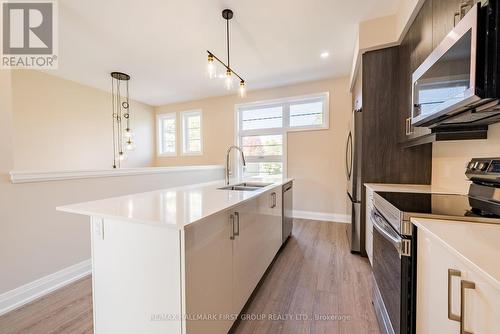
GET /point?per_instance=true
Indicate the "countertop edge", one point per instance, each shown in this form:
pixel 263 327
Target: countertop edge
pixel 396 187
pixel 420 223
pixel 405 188
pixel 70 208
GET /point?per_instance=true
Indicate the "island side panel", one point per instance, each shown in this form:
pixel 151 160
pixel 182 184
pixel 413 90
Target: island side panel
pixel 136 277
pixel 208 261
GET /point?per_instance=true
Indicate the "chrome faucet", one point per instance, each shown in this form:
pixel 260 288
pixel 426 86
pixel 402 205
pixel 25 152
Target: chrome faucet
pixel 227 172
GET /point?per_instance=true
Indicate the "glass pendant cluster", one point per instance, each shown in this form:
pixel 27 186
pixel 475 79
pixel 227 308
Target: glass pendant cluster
pixel 229 73
pixel 122 133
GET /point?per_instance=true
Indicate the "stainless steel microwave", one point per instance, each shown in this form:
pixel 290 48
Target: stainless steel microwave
pixel 457 85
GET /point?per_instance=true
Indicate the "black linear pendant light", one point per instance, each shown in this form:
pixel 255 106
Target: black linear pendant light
pixel 227 14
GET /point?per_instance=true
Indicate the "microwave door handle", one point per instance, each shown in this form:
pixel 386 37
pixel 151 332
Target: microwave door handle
pixel 386 231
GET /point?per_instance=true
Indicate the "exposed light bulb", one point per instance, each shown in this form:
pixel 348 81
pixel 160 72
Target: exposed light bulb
pixel 130 146
pixel 121 156
pixel 211 67
pixel 324 54
pixel 243 91
pixel 229 80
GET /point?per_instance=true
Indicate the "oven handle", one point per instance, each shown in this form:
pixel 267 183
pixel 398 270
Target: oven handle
pixel 386 230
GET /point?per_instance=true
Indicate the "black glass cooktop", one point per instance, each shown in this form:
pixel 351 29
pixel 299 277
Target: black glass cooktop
pixel 438 204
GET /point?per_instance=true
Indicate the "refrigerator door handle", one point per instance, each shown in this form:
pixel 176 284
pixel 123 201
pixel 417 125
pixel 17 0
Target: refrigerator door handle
pixel 348 156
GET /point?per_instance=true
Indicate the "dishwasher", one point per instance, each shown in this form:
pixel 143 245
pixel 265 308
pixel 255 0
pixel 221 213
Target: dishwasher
pixel 287 208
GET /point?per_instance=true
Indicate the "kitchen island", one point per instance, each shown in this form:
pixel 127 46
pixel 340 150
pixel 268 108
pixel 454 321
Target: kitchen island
pixel 181 260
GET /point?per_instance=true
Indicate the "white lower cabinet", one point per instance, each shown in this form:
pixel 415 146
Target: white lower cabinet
pixel 225 258
pixel 208 274
pixel 450 287
pixel 256 244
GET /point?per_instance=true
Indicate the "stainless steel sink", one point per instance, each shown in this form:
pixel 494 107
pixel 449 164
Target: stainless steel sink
pixel 246 186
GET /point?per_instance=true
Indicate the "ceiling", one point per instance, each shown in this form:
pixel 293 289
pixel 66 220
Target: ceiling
pixel 162 43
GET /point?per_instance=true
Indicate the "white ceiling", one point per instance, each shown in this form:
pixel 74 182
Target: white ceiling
pixel 162 43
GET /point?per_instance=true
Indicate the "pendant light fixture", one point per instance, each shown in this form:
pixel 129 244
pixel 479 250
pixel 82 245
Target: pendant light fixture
pixel 227 14
pixel 122 133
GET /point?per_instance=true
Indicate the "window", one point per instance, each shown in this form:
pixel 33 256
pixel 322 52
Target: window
pixel 262 129
pixel 167 128
pixel 191 132
pixel 307 114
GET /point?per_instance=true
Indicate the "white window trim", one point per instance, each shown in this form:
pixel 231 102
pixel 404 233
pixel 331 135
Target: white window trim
pixel 284 130
pixel 159 136
pixel 183 115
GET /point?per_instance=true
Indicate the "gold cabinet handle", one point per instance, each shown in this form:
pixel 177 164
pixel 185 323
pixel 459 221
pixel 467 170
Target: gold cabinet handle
pixel 463 286
pixel 451 274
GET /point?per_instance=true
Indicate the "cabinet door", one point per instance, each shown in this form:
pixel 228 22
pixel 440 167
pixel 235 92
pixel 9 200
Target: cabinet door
pixel 270 223
pixel 209 274
pixel 246 269
pixel 257 243
pixel 443 18
pixel 433 262
pixel 481 303
pixel 421 36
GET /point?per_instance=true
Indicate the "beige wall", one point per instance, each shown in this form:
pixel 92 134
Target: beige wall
pixel 450 158
pixel 6 151
pixel 60 124
pixel 36 240
pixel 315 158
pixel 383 32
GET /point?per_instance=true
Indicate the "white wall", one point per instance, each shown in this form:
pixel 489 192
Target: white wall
pixel 450 158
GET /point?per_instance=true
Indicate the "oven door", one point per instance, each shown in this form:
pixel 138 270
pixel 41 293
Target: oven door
pixel 387 270
pixel 393 272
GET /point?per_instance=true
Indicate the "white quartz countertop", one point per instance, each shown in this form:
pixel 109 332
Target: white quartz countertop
pixel 415 188
pixel 477 244
pixel 172 207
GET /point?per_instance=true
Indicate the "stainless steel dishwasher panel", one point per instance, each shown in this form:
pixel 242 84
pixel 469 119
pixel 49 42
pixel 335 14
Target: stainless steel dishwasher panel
pixel 287 210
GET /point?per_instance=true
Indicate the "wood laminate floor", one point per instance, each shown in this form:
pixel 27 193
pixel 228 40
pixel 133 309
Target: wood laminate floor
pixel 315 286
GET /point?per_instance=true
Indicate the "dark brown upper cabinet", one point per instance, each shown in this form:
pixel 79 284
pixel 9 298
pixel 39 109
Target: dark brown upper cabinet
pixel 420 35
pixel 443 18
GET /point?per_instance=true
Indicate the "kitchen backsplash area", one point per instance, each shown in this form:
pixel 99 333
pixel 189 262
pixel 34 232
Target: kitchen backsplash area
pixel 450 158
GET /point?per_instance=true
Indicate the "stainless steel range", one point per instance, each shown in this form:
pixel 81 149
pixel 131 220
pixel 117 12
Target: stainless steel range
pixel 394 237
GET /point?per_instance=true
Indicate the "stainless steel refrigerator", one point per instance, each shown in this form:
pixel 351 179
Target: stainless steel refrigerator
pixel 353 175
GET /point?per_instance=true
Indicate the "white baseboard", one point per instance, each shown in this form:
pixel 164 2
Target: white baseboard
pixel 323 216
pixel 24 294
